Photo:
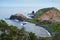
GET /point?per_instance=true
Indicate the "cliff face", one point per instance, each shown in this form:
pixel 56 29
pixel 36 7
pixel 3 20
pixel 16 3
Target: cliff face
pixel 48 14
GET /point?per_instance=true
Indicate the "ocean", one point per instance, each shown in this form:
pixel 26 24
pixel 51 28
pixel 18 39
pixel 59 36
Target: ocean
pixel 6 12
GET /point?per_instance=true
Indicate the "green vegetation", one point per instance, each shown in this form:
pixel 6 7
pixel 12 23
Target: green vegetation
pixel 10 32
pixel 55 26
pixel 13 33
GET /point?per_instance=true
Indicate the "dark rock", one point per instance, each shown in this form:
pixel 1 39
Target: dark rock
pixel 32 14
pixel 13 17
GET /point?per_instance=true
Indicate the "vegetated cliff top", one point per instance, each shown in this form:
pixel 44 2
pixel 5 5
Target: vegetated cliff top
pixel 45 10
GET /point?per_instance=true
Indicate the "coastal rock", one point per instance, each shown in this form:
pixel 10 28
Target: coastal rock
pixel 19 17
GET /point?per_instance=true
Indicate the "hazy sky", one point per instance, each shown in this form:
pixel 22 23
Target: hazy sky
pixel 9 7
pixel 30 3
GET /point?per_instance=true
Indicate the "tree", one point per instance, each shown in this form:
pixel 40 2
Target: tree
pixel 32 36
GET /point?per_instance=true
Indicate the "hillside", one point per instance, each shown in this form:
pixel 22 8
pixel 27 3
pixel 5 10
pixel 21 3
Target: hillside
pixel 50 17
pixel 48 13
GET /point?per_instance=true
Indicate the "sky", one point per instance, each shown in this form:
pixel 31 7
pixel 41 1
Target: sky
pixel 30 3
pixel 9 7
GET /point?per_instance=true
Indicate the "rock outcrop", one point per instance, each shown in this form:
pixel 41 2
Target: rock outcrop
pixel 19 17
